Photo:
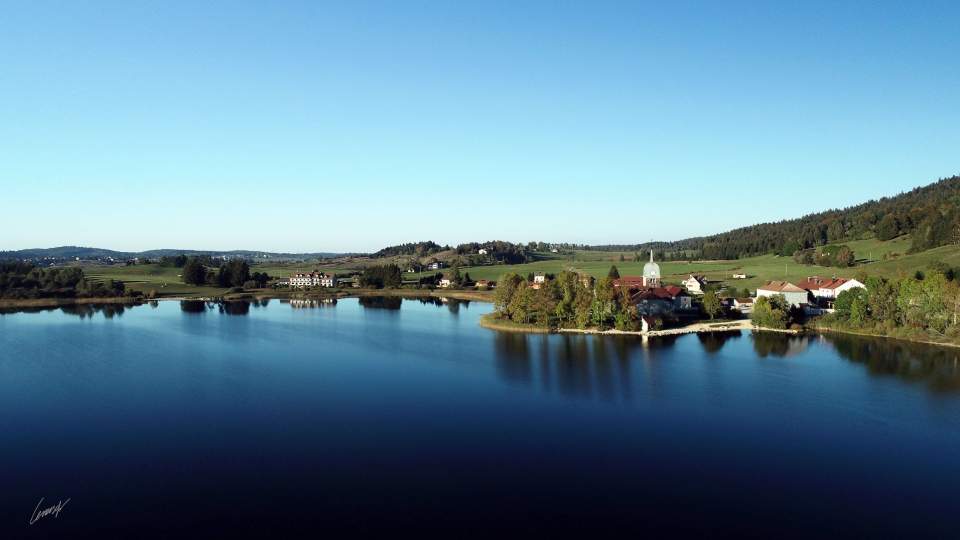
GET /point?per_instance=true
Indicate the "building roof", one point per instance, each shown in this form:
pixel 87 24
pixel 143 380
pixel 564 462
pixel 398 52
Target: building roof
pixel 743 300
pixel 658 293
pixel 838 282
pixel 781 286
pixel 628 281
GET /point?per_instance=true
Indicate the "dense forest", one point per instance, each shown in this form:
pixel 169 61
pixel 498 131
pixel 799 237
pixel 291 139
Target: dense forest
pixel 418 249
pixel 20 280
pixel 930 214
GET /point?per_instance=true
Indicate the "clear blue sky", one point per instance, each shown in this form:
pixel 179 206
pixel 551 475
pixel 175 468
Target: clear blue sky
pixel 305 126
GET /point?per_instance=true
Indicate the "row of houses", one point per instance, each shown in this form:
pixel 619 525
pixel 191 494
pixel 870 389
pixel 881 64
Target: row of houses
pixel 813 292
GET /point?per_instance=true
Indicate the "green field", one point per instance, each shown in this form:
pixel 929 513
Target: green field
pixel 869 252
pixel 164 280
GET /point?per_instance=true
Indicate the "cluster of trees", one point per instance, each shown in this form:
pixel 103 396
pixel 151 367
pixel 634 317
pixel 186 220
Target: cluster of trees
pixel 380 276
pixel 23 280
pixel 567 301
pixel 232 273
pixel 500 251
pixel 930 214
pixel 833 255
pixel 926 305
pixel 419 249
pixel 176 261
pixel 775 312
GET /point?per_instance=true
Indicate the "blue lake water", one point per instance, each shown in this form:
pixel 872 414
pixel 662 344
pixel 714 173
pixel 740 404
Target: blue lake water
pixel 382 416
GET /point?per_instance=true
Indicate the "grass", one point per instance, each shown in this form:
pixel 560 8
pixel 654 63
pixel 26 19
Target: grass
pixel 759 270
pixel 165 280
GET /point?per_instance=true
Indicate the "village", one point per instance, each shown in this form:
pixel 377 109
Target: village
pixel 655 303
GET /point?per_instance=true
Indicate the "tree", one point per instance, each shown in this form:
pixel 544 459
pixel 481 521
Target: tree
pixel 506 288
pixel 711 304
pixel 613 273
pixel 888 228
pixel 381 275
pixel 194 273
pixel 771 312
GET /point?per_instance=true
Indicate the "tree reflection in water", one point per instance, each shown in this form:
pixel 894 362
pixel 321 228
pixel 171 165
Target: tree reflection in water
pixel 571 364
pixel 381 302
pixel 936 367
pixel 712 342
pixel 778 344
pixel 453 304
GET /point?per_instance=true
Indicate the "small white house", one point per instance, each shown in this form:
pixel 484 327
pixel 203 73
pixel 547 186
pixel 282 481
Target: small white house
pixel 834 289
pixel 743 305
pixel 739 276
pixel 695 284
pixel 445 282
pixel 481 251
pixel 539 278
pixel 435 265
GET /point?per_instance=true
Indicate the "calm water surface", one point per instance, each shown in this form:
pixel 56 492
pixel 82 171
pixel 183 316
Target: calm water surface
pixel 382 416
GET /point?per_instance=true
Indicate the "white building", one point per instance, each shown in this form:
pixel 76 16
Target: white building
pixel 694 284
pixel 651 273
pixel 312 279
pixel 795 295
pixel 739 276
pixel 435 265
pixel 829 288
pixel 539 278
pixel 481 251
pixel 743 305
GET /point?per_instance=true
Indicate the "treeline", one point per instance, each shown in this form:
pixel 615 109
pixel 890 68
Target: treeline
pixel 232 273
pixel 500 251
pixel 20 280
pixel 568 301
pixel 930 214
pixel 924 306
pixel 418 249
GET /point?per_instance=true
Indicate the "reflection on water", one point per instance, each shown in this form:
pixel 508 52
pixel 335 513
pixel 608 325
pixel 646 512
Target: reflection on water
pixel 381 302
pixel 712 342
pixel 83 311
pixel 936 367
pixel 600 366
pixel 778 344
pixel 571 364
pixel 453 304
pixel 304 303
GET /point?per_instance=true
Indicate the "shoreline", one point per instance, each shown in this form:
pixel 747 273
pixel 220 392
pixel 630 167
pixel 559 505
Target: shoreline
pixel 259 294
pixel 827 329
pixel 492 323
pixel 487 322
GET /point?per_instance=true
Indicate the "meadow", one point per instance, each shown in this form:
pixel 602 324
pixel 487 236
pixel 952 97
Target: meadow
pixel 875 257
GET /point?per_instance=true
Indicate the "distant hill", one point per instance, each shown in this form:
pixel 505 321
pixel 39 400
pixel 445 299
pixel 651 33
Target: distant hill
pixel 930 214
pixel 91 253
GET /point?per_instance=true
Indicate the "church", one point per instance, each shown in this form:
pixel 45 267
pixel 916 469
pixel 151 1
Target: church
pixel 649 295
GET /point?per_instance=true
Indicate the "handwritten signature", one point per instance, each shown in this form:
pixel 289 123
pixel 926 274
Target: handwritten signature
pixel 54 511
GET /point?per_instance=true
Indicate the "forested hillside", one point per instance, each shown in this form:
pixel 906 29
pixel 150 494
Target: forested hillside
pixel 930 214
